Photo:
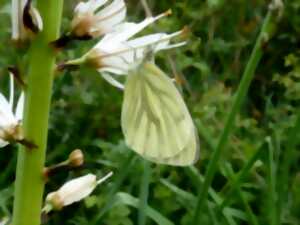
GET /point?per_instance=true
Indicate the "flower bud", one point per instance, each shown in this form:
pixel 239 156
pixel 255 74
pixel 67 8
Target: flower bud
pixel 74 191
pixel 76 158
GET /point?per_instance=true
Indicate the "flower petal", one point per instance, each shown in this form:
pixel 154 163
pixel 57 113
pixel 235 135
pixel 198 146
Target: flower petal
pixel 37 18
pixel 3 143
pixel 20 107
pixel 17 8
pixel 126 30
pixel 77 189
pixel 109 17
pixel 11 90
pixel 89 7
pixel 6 114
pixel 112 81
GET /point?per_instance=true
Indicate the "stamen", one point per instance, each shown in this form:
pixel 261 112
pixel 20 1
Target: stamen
pixel 164 14
pixel 175 45
pixel 105 178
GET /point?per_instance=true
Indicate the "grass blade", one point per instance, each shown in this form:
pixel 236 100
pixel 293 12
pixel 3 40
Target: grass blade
pixel 288 158
pixel 248 75
pixel 188 201
pixel 271 184
pixel 235 182
pixel 251 217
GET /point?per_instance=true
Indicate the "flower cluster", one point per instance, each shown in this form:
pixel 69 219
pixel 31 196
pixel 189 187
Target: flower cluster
pixel 118 52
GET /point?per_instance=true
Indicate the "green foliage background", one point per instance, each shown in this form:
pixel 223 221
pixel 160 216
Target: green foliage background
pixel 86 114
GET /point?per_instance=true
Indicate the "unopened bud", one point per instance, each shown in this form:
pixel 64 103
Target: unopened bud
pixel 76 158
pixel 55 200
pixel 73 191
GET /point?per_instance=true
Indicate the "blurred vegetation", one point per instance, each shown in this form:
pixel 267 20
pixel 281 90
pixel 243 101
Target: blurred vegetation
pixel 86 114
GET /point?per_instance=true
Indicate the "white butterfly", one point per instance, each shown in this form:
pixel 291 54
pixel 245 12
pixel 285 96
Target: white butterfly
pixel 155 120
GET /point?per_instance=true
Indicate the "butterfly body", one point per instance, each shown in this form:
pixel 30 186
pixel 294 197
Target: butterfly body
pixel 155 120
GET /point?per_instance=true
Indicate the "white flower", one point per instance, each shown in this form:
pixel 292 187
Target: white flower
pixel 20 8
pixel 73 191
pixel 89 21
pixel 4 221
pixel 10 121
pixel 116 53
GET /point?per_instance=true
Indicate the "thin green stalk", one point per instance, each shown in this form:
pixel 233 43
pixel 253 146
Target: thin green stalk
pixel 29 185
pixel 144 193
pixel 256 55
pixel 288 159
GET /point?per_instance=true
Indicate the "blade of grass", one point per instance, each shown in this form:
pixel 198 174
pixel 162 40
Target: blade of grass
pixel 205 135
pixel 144 193
pixel 124 198
pixel 185 198
pixel 256 55
pixel 271 184
pixel 288 159
pixel 188 201
pixel 119 179
pixel 251 217
pixel 198 180
pixel 235 182
pixel 212 214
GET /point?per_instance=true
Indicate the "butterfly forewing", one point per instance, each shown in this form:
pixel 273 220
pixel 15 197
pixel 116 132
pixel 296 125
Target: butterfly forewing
pixel 155 120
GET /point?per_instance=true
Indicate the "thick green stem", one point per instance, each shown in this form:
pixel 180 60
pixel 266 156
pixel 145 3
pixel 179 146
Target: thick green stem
pixel 29 184
pixel 256 55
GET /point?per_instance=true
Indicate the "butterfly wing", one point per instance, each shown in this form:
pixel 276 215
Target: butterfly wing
pixel 155 120
pixel 189 155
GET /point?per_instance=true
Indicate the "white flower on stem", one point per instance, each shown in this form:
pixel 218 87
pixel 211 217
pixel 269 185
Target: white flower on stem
pixel 73 191
pixel 10 121
pixel 24 18
pixel 89 21
pixel 117 53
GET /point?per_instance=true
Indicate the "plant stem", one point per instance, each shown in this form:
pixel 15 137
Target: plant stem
pixel 144 193
pixel 29 185
pixel 256 55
